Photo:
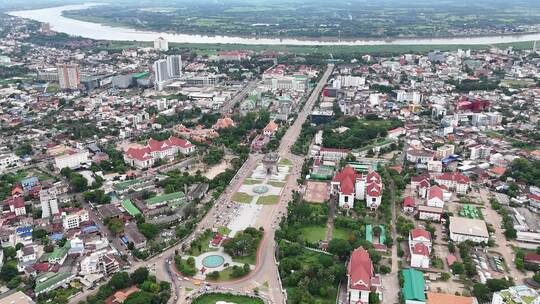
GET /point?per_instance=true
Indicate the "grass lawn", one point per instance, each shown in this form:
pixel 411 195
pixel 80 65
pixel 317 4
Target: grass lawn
pixel 313 234
pixel 213 298
pixel 268 200
pixel 340 233
pixel 285 162
pixel 252 259
pixel 277 184
pixel 203 240
pixel 224 230
pixel 241 197
pixel 249 181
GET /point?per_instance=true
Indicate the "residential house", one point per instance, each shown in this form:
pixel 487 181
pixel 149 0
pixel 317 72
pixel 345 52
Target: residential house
pixel 409 205
pixel 454 180
pixel 270 129
pixel 419 156
pixel 420 247
pixel 435 197
pixel 74 220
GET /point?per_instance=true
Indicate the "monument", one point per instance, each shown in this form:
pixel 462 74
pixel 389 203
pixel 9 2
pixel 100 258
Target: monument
pixel 270 162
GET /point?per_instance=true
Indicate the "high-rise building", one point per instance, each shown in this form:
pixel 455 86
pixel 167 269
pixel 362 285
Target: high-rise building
pixel 49 202
pixel 174 66
pixel 68 76
pixel 161 75
pixel 161 44
pixel 160 71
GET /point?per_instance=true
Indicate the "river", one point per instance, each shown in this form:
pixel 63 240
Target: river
pixel 59 23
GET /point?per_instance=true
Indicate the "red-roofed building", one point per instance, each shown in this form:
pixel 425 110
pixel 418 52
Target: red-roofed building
pixel 451 259
pixel 534 200
pixel 270 128
pixel 454 180
pixel 435 197
pixel 361 280
pixel 14 205
pixel 409 204
pixel 420 256
pixel 532 259
pixel 420 247
pixel 350 185
pixel 420 236
pixel 167 149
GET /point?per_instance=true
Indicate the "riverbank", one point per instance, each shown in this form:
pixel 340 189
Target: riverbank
pixel 209 48
pixel 58 22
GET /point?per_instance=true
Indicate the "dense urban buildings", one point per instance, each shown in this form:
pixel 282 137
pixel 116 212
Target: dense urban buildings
pixel 160 172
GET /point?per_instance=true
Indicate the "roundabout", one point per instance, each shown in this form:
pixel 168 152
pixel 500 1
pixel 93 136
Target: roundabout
pixel 213 261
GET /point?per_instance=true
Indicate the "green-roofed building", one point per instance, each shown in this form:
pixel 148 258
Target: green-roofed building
pixel 130 208
pixel 141 75
pixel 59 254
pixel 50 281
pixel 174 200
pixel 414 286
pixel 124 185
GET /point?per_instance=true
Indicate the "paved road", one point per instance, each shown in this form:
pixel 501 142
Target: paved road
pixel 266 269
pixel 265 272
pixel 239 97
pixel 502 246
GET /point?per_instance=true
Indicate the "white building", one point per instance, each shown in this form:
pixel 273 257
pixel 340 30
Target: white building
pixel 420 248
pixel 142 158
pixel 462 229
pixel 444 151
pixel 161 44
pixel 435 166
pixel 68 76
pixel 349 81
pixel 419 156
pixel 8 160
pixel 72 159
pixel 435 197
pixel 480 152
pixel 74 220
pixel 174 66
pixel 49 202
pixel 454 180
pixel 294 83
pixel 349 186
pixel 161 74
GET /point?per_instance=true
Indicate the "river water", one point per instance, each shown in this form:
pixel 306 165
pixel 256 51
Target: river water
pixel 62 24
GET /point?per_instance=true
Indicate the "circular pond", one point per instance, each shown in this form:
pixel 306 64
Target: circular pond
pixel 213 261
pixel 260 189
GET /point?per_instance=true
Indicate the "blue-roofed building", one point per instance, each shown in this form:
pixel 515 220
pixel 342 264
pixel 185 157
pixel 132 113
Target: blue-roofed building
pixel 24 235
pixel 57 236
pixel 124 240
pixel 29 183
pixel 89 229
pixel 449 159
